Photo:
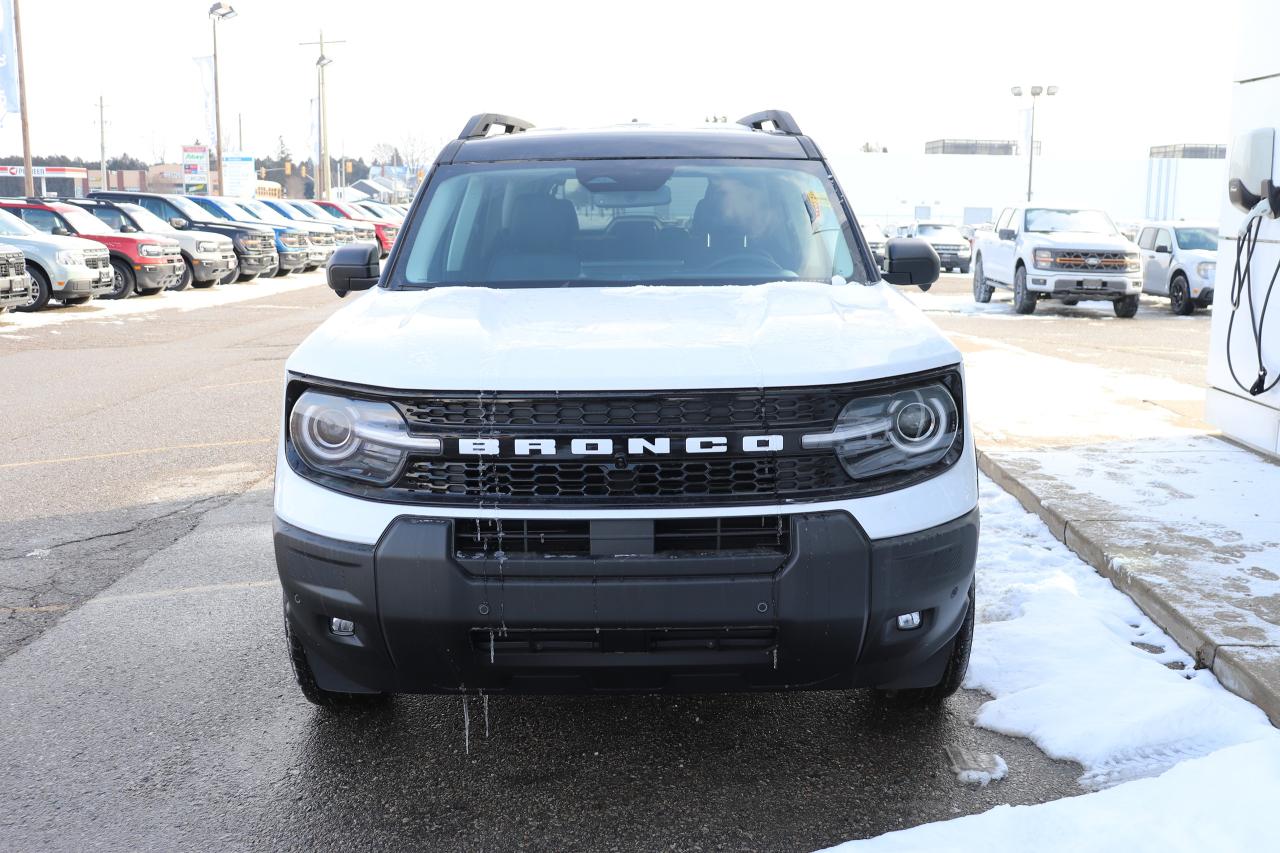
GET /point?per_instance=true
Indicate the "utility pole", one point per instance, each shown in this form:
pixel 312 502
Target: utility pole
pixel 218 12
pixel 28 179
pixel 324 180
pixel 240 120
pixel 1036 92
pixel 102 141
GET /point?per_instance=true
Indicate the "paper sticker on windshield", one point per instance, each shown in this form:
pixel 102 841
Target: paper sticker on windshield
pixel 816 204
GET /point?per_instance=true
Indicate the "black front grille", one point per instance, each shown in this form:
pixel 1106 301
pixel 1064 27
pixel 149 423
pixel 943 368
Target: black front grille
pixel 475 538
pixel 727 480
pixel 735 408
pixel 495 645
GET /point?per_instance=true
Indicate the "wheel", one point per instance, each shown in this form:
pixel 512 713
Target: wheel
pixel 1180 296
pixel 952 676
pixel 1024 301
pixel 76 300
pixel 233 274
pixel 282 272
pixel 964 269
pixel 1071 301
pixel 981 290
pixel 41 292
pixel 244 277
pixel 314 693
pixel 1126 306
pixel 149 291
pixel 124 280
pixel 188 275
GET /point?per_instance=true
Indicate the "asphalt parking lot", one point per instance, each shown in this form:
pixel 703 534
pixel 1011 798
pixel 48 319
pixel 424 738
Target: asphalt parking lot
pixel 148 701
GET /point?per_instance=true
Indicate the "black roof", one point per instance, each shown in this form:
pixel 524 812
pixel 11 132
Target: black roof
pixel 624 142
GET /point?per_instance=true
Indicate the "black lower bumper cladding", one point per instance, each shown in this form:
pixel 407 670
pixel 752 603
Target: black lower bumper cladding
pixel 430 619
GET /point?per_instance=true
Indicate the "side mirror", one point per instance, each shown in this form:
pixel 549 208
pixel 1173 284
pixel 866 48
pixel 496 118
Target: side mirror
pixel 910 260
pixel 1163 249
pixel 354 267
pixel 1007 234
pixel 179 223
pixel 126 228
pixel 59 231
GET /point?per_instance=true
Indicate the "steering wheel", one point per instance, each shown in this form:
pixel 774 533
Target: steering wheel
pixel 746 256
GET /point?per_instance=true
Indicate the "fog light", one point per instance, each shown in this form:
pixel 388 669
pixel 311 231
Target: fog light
pixel 345 627
pixel 906 622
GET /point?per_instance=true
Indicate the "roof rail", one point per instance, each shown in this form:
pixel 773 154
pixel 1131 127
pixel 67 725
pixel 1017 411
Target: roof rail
pixel 478 126
pixel 780 119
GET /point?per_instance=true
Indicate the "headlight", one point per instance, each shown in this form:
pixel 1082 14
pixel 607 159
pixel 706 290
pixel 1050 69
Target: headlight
pixel 891 433
pixel 206 246
pixel 1132 262
pixel 151 250
pixel 70 258
pixel 356 439
pixel 1207 269
pixel 1043 258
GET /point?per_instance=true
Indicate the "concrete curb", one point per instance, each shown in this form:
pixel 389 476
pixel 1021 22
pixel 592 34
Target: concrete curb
pixel 1239 671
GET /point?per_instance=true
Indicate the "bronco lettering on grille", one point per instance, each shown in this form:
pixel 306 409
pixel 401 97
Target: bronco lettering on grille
pixel 658 446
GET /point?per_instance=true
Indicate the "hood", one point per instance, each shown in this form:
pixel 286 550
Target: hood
pixel 1195 256
pixel 210 236
pixel 48 242
pixel 623 339
pixel 1080 240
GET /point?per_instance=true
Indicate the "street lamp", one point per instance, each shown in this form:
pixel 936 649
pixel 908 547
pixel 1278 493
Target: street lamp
pixel 218 12
pixel 1036 91
pixel 324 178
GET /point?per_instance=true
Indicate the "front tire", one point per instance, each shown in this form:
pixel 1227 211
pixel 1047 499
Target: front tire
pixel 41 291
pixel 188 275
pixel 76 300
pixel 952 676
pixel 1180 296
pixel 124 282
pixel 964 269
pixel 1024 301
pixel 981 290
pixel 1126 306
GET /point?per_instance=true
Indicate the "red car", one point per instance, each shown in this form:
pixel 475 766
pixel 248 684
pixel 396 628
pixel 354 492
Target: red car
pixel 147 263
pixel 385 228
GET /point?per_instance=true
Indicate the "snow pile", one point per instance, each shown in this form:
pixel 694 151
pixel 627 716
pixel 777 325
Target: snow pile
pixel 1055 646
pixel 1075 666
pixel 110 310
pixel 1225 801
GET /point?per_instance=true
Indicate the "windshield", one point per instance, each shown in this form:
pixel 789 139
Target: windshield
pixel 84 222
pixel 941 232
pixel 321 209
pixel 13 226
pixel 1197 238
pixel 267 214
pixel 1042 220
pixel 284 209
pixel 145 219
pixel 190 209
pixel 630 222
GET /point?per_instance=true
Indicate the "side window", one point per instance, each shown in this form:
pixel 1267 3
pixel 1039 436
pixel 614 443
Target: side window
pixel 1003 222
pixel 1147 239
pixel 41 220
pixel 111 216
pixel 1164 239
pixel 158 206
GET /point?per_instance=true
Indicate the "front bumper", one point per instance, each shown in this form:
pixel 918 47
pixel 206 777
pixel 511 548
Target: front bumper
pixel 293 260
pixel 72 282
pixel 262 264
pixel 1084 286
pixel 158 274
pixel 212 267
pixel 953 259
pixel 822 616
pixel 14 290
pixel 319 256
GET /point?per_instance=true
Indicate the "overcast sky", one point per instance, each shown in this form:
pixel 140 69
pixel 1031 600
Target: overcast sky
pixel 1131 74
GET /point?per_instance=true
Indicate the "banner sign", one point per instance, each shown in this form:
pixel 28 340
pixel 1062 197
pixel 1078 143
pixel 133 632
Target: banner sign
pixel 195 169
pixel 8 62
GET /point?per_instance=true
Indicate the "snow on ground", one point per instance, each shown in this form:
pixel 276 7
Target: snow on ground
pixel 1074 665
pixel 1001 307
pixel 117 311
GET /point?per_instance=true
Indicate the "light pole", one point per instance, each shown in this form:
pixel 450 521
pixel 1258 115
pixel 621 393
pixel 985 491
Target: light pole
pixel 1036 91
pixel 28 173
pixel 324 180
pixel 218 12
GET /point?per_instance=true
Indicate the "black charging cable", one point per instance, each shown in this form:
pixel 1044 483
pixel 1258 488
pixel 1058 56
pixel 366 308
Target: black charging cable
pixel 1242 285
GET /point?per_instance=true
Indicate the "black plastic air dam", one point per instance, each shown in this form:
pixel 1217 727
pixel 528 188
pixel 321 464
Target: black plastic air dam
pixel 824 618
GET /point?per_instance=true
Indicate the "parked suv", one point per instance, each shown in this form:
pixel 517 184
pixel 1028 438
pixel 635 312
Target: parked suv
pixel 343 232
pixel 15 284
pixel 1179 260
pixel 207 258
pixel 67 269
pixel 725 455
pixel 254 244
pixel 141 263
pixel 948 241
pixel 320 238
pixel 385 229
pixel 1057 253
pixel 291 243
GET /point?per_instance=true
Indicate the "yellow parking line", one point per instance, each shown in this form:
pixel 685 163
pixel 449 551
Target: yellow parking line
pixel 184 590
pixel 48 608
pixel 119 453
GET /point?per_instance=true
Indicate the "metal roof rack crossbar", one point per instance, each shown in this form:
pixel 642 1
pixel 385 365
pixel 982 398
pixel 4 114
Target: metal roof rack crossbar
pixel 478 126
pixel 780 119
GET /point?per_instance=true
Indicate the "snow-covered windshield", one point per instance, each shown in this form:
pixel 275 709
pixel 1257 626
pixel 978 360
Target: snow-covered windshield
pixel 630 222
pixel 1197 238
pixel 84 222
pixel 1042 220
pixel 13 226
pixel 145 219
pixel 943 233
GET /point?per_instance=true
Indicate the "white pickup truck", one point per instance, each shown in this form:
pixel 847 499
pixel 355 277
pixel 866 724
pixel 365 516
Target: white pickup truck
pixel 1057 253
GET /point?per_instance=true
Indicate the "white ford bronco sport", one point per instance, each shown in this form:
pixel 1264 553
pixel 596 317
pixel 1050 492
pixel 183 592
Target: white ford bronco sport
pixel 627 409
pixel 1057 253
